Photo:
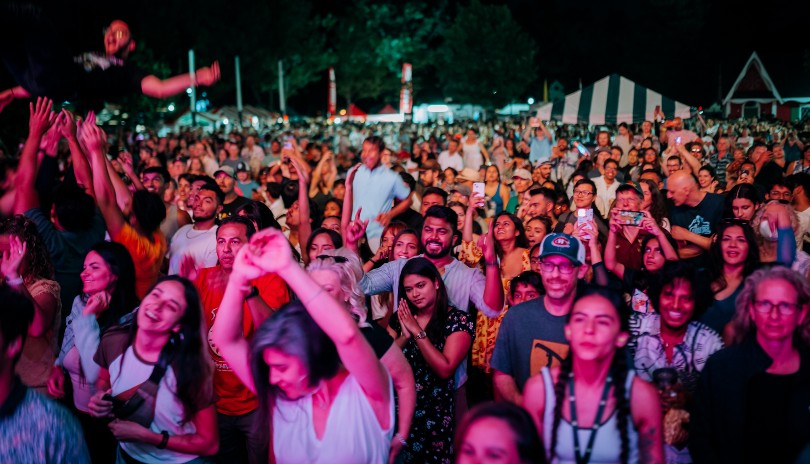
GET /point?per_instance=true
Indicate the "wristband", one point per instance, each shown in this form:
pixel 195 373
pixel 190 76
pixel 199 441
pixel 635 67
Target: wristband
pixel 14 281
pixel 163 441
pixel 491 264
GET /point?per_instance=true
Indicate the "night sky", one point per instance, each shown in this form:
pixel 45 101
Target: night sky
pixel 689 50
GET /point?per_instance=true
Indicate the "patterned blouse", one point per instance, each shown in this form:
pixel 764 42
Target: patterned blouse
pixel 486 329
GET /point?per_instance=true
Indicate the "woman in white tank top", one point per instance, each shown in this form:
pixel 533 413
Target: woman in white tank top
pixel 593 409
pixel 330 398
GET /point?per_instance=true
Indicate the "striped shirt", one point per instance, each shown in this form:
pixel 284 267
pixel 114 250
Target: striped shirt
pixel 720 165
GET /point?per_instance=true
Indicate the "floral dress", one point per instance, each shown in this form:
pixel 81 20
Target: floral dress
pixel 486 329
pixel 431 437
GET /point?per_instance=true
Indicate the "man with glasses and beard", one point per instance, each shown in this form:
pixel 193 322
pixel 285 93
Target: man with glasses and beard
pixel 532 335
pixel 466 286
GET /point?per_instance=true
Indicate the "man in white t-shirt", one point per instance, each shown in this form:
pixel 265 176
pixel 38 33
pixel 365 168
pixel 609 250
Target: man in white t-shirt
pixel 199 240
pixel 606 184
pixel 451 158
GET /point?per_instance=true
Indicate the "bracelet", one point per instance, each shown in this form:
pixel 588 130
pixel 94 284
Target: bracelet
pixel 312 298
pixel 14 281
pixel 491 264
pixel 371 260
pixel 403 441
pixel 163 441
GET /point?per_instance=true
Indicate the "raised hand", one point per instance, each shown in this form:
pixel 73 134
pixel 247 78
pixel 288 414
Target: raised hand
pixel 91 137
pixel 356 229
pixel 13 257
pixel 68 127
pixel 487 244
pixel 6 97
pixel 208 76
pixel 188 268
pixel 245 267
pixel 125 159
pixel 350 175
pixel 50 141
pixel 42 118
pixel 268 250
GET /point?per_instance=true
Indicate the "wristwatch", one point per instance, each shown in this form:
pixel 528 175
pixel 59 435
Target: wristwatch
pixel 420 335
pixel 254 292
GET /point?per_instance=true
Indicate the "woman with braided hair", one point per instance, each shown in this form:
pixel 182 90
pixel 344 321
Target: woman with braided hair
pixel 593 408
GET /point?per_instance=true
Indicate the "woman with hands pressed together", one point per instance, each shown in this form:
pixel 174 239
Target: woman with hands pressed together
pixel 435 338
pixel 108 292
pixel 306 363
pixel 156 379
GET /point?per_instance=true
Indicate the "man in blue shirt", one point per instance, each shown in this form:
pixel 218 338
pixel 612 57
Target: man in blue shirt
pixel 374 189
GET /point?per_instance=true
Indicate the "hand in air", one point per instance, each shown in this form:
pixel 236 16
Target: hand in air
pixel 208 76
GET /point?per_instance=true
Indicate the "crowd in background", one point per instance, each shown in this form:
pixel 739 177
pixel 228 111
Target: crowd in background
pixel 503 291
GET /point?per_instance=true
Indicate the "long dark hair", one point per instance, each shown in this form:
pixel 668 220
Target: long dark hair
pixel 658 207
pixel 123 298
pixel 292 330
pixel 191 363
pixel 716 252
pixel 335 237
pixel 519 422
pixel 520 232
pixel 423 267
pixel 38 259
pixel 618 371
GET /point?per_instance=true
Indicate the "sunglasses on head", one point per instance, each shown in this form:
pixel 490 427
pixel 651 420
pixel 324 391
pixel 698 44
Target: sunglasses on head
pixel 337 259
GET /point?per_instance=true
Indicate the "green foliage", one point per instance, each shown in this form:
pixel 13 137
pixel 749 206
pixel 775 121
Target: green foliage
pixel 371 41
pixel 486 57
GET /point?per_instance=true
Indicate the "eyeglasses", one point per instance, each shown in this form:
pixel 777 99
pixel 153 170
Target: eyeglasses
pixel 337 259
pixel 582 193
pixel 765 307
pixel 566 268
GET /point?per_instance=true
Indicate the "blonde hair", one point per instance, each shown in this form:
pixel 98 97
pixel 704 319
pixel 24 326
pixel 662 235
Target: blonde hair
pixel 349 273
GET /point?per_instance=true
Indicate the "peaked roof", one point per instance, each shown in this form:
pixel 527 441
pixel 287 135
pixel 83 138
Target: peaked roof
pixel 753 83
pixel 612 100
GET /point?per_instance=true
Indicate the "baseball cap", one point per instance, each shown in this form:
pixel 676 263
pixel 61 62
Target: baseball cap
pixel 603 149
pixel 242 167
pixel 522 174
pixel 563 245
pixel 630 186
pixel 226 169
pixel 430 165
pixel 468 174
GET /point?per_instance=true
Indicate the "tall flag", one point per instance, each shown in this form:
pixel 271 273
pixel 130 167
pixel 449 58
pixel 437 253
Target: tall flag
pixel 406 95
pixel 332 105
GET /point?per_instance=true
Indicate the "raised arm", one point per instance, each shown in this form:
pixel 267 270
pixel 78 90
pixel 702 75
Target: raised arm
pixel 40 120
pixel 155 87
pixel 93 141
pixel 348 200
pixel 611 263
pixel 81 167
pixel 270 250
pixel 493 290
pixel 9 95
pixel 304 226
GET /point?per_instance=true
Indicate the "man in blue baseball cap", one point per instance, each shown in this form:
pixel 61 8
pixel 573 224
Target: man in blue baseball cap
pixel 532 334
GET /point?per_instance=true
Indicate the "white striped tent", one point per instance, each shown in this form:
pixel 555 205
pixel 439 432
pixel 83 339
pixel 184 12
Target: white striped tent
pixel 611 100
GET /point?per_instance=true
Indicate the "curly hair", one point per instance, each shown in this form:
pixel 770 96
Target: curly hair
pixel 742 323
pixel 757 220
pixel 37 262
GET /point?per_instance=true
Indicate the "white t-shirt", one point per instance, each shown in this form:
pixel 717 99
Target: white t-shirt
pixel 454 161
pixel 352 433
pixel 605 193
pixel 200 244
pixel 128 371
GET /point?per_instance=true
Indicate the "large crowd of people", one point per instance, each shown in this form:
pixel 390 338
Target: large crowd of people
pixel 514 291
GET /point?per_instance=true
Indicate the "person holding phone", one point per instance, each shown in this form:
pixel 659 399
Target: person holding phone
pixel 626 236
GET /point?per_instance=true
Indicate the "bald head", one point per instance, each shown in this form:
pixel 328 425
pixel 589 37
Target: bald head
pixel 681 187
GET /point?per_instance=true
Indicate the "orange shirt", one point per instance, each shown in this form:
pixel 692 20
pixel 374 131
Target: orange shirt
pixel 147 256
pixel 233 398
